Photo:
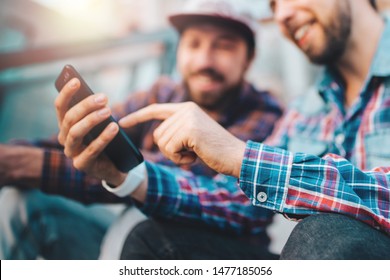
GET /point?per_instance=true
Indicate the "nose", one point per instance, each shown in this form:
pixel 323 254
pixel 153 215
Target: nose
pixel 204 57
pixel 283 11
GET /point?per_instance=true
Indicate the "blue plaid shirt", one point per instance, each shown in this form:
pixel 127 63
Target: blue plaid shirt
pixel 325 158
pixel 192 193
pixel 320 158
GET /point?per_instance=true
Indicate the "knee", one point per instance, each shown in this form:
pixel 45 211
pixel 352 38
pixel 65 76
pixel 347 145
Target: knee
pixel 18 208
pixel 136 245
pixel 12 216
pixel 141 233
pixel 324 236
pixel 147 241
pixel 10 200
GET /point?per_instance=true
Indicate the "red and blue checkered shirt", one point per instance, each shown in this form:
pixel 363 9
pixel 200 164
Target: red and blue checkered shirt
pixel 325 158
pixel 320 158
pixel 190 193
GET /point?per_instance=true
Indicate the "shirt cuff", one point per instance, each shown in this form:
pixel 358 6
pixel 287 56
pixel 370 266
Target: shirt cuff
pixel 164 196
pixel 133 180
pixel 265 175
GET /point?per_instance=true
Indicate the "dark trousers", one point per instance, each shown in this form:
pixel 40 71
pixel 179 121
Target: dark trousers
pixel 333 237
pixel 158 239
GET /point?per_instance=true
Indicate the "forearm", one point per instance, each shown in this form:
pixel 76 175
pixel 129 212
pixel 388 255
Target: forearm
pixel 302 184
pixel 21 166
pixel 216 202
pixel 50 171
pixel 61 178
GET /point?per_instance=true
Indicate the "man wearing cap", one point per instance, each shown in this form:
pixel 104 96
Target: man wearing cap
pixel 216 48
pixel 328 162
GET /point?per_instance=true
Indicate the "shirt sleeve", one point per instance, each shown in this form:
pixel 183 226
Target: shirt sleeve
pixel 255 116
pixel 61 178
pixel 256 125
pixel 217 202
pixel 302 184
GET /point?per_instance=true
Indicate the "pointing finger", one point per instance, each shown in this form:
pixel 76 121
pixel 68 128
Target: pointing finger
pixel 151 112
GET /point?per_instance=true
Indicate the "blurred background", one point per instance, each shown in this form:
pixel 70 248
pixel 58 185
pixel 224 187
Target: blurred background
pixel 118 46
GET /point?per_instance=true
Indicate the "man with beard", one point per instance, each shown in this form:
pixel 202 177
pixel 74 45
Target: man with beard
pixel 328 161
pixel 213 57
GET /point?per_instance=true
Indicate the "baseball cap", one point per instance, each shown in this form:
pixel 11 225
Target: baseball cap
pixel 235 15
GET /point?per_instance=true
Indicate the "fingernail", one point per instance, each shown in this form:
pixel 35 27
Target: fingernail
pixel 104 112
pixel 122 120
pixel 73 83
pixel 112 127
pixel 100 98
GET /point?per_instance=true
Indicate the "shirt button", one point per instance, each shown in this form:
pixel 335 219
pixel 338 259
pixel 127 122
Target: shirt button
pixel 262 197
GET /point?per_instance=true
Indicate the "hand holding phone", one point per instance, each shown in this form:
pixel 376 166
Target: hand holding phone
pixel 121 150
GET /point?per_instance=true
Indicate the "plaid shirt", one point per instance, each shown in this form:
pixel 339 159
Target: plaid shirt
pixel 338 160
pixel 193 192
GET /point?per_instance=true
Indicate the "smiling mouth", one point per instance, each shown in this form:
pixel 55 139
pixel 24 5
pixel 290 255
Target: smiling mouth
pixel 301 32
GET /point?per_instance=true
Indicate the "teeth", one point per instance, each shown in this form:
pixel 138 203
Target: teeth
pixel 301 32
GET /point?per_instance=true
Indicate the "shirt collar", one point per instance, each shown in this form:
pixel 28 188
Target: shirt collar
pixel 380 66
pixel 381 63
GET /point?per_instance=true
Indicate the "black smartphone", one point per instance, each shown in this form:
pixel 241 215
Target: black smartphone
pixel 121 150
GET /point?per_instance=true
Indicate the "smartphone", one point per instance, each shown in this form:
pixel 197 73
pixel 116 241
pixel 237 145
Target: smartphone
pixel 121 150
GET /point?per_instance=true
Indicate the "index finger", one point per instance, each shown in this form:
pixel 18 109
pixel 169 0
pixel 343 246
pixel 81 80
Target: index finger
pixel 151 112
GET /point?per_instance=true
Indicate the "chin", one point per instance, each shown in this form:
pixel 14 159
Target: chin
pixel 205 102
pixel 205 96
pixel 326 58
pixel 317 57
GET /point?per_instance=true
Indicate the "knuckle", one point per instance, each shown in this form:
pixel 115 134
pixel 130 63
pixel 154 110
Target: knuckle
pixel 191 105
pixel 102 141
pixel 156 135
pixel 66 152
pixel 88 123
pixel 170 148
pixel 78 164
pixel 72 135
pixel 60 138
pixel 175 158
pixel 104 138
pixel 161 143
pixel 90 151
pixel 57 104
pixel 67 121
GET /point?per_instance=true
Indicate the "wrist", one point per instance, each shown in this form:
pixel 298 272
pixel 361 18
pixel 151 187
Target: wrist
pixel 24 165
pixel 130 183
pixel 118 180
pixel 238 158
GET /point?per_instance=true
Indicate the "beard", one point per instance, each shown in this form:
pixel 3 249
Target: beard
pixel 213 100
pixel 337 34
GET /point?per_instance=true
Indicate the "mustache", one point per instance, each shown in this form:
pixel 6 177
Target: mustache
pixel 211 72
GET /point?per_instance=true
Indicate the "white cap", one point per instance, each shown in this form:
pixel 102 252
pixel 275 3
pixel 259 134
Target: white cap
pixel 233 14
